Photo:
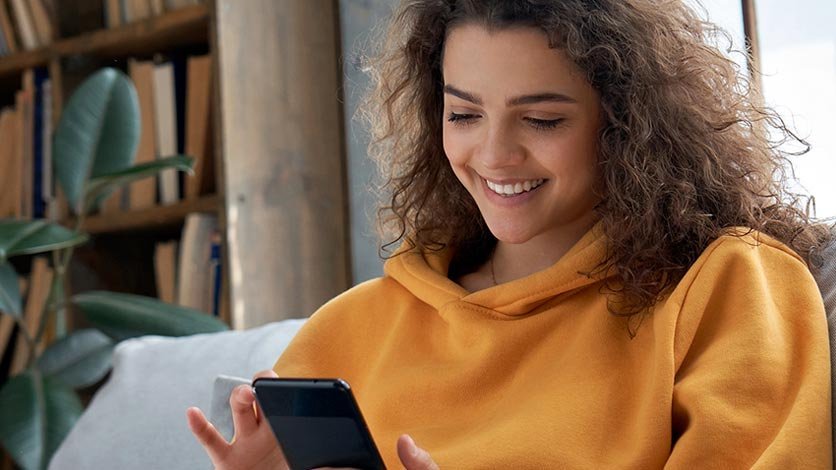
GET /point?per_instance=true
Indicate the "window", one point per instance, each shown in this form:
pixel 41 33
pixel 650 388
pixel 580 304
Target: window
pixel 798 61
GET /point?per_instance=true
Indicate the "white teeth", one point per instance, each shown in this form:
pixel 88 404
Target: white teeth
pixel 511 189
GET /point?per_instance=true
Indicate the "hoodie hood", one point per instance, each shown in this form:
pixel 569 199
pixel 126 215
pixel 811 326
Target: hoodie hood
pixel 425 276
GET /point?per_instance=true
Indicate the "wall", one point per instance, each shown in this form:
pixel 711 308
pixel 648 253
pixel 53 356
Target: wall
pixel 359 21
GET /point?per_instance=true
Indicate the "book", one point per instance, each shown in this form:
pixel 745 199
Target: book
pixel 113 202
pixel 25 99
pixel 175 4
pixel 215 273
pixel 40 282
pixel 77 17
pixel 4 49
pixel 123 9
pixel 143 192
pixel 165 268
pixel 136 10
pixel 157 7
pixel 41 22
pixel 16 149
pixel 8 29
pixel 39 161
pixel 194 278
pixel 48 176
pixel 10 169
pixel 24 25
pixel 198 125
pixel 165 118
pixel 113 13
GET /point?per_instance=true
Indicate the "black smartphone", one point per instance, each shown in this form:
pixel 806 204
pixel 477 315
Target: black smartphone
pixel 317 423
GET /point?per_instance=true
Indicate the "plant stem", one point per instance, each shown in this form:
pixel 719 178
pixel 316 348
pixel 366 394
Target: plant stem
pixel 55 305
pixel 63 271
pixel 30 342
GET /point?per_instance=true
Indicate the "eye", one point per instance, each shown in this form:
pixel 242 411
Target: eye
pixel 461 119
pixel 543 124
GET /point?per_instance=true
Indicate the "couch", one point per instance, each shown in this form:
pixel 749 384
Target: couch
pixel 137 419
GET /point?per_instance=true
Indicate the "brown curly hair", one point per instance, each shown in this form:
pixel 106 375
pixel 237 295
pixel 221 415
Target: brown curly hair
pixel 685 150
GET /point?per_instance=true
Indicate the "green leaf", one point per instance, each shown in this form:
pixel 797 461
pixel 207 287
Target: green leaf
pixel 127 315
pixel 98 133
pixel 9 291
pixel 104 184
pixel 23 237
pixel 79 360
pixel 35 416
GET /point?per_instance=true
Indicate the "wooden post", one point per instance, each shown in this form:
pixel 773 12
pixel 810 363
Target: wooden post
pixel 283 156
pixel 750 32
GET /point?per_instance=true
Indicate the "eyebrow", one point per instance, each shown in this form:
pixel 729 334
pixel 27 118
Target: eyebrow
pixel 514 101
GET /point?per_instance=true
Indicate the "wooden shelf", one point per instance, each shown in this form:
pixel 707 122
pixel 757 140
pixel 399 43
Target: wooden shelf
pixel 15 63
pixel 184 26
pixel 151 218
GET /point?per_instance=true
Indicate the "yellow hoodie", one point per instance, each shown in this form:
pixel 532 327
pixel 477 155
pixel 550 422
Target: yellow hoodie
pixel 731 370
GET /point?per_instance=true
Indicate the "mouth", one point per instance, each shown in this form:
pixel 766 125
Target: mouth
pixel 514 189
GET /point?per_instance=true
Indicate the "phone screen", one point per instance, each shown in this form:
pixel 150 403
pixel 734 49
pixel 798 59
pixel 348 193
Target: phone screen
pixel 317 423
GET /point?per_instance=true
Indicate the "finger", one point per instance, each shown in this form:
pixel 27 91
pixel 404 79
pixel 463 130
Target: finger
pixel 209 437
pixel 265 374
pixel 262 374
pixel 413 457
pixel 243 414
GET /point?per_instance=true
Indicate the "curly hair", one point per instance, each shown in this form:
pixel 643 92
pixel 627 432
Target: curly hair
pixel 685 150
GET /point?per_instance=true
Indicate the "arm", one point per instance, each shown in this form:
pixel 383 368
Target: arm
pixel 752 386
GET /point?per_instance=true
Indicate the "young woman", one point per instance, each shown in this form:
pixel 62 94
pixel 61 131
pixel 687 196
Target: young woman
pixel 600 264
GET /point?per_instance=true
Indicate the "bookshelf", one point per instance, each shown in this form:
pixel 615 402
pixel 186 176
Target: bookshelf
pixel 277 152
pixel 184 26
pixel 150 219
pixel 124 235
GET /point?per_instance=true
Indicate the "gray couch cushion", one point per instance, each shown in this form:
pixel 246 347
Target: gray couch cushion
pixel 826 278
pixel 137 420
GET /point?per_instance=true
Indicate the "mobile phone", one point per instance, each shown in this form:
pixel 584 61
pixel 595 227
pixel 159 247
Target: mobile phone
pixel 317 423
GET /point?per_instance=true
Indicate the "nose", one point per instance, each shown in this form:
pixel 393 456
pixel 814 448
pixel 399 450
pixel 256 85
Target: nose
pixel 500 149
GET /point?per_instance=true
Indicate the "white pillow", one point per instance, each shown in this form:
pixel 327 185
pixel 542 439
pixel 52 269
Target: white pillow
pixel 137 420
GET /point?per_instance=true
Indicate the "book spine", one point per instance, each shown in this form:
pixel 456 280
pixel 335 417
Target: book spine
pixel 215 268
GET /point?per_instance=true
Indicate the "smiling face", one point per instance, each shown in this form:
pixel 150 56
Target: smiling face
pixel 520 130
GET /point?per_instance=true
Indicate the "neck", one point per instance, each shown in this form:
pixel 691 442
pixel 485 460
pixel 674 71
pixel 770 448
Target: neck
pixel 513 261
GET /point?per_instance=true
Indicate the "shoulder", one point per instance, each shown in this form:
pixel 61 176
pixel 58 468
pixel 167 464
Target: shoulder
pixel 739 247
pixel 368 290
pixel 745 265
pixel 750 286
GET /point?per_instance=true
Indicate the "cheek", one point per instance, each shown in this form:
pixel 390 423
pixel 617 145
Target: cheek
pixel 455 148
pixel 580 156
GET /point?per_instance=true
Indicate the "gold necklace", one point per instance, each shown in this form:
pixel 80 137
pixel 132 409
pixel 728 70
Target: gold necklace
pixel 493 276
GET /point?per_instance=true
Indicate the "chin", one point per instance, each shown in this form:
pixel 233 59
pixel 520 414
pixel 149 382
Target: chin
pixel 512 235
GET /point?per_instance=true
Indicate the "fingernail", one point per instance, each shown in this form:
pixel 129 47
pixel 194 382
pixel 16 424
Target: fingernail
pixel 243 391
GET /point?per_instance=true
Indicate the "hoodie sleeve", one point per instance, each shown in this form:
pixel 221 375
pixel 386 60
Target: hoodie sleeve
pixel 752 384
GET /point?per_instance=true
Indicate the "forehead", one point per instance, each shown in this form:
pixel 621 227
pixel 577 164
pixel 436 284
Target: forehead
pixel 519 56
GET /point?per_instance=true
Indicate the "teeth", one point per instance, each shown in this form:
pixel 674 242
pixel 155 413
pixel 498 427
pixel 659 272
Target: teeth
pixel 512 189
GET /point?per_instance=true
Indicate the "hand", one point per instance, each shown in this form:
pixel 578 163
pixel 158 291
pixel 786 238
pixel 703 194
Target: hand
pixel 413 457
pixel 252 448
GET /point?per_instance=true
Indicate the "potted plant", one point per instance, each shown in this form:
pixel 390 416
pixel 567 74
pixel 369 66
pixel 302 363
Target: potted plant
pixel 94 148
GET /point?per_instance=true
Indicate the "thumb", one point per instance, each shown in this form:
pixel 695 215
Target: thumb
pixel 413 457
